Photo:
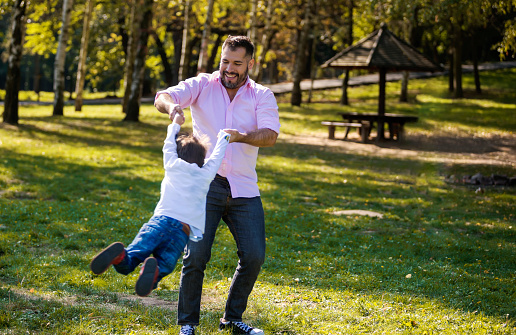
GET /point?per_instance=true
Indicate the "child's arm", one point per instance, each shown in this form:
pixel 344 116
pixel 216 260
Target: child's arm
pixel 170 146
pixel 215 159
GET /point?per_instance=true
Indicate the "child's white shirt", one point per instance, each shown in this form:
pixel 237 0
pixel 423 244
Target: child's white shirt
pixel 185 185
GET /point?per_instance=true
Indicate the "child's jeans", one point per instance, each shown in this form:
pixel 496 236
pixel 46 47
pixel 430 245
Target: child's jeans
pixel 163 237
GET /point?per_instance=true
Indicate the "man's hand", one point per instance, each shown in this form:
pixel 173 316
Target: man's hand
pixel 263 137
pixel 235 135
pixel 164 104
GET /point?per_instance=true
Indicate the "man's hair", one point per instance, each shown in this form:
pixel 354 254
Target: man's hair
pixel 192 149
pixel 234 42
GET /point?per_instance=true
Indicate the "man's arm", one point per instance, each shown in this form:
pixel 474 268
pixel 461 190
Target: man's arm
pixel 164 104
pixel 263 137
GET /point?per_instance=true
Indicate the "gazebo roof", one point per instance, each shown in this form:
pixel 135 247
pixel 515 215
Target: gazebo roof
pixel 382 49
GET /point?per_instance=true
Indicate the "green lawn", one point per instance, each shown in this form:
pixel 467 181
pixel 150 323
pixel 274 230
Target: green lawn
pixel 441 260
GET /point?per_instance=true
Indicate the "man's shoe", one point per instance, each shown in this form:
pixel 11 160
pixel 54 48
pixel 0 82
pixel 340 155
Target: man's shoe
pixel 239 327
pixel 187 330
pixel 113 254
pixel 148 275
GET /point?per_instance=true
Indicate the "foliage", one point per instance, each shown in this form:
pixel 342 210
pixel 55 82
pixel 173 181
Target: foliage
pixel 441 260
pixel 508 45
pixel 492 20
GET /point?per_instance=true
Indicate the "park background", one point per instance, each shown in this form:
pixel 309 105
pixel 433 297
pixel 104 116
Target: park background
pixel 436 254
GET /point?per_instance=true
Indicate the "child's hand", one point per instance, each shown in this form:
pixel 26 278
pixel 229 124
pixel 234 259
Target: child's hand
pixel 179 118
pixel 236 136
pixel 222 133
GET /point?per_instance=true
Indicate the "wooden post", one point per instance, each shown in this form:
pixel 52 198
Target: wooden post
pixel 381 104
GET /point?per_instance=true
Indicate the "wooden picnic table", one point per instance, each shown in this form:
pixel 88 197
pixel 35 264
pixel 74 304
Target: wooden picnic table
pixel 395 122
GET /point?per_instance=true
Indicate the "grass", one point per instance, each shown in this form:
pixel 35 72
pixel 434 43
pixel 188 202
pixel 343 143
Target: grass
pixel 442 260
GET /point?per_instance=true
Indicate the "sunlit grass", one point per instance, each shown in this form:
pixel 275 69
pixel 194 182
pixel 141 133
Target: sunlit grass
pixel 441 260
pixel 49 96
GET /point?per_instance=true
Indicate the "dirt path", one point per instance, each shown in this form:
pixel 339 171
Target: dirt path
pixel 209 299
pixel 488 150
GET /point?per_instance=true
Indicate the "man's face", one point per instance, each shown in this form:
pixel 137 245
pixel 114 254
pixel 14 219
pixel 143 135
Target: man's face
pixel 234 67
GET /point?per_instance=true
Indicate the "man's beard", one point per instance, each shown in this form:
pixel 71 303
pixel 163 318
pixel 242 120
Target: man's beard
pixel 240 79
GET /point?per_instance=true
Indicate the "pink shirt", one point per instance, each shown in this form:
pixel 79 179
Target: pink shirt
pixel 254 107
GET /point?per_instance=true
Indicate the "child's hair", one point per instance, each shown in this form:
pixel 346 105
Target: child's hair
pixel 192 149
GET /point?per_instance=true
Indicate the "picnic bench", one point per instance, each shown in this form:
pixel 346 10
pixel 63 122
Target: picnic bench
pixel 395 122
pixel 364 128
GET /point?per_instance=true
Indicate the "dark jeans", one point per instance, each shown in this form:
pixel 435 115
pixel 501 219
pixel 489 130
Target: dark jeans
pixel 245 219
pixel 164 238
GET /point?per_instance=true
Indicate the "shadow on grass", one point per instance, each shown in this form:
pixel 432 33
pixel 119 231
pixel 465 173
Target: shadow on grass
pixel 445 237
pixel 431 232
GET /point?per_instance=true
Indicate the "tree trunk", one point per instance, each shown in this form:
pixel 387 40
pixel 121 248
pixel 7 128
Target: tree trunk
pixel 37 74
pixel 344 99
pixel 214 52
pixel 177 35
pixel 351 6
pixel 135 22
pixel 252 22
pixel 381 104
pixel 414 37
pixel 83 54
pixel 451 74
pixel 167 69
pixel 202 64
pixel 299 66
pixel 12 84
pixel 404 86
pixel 476 73
pixel 59 64
pixel 185 59
pixel 133 104
pixel 457 61
pixel 267 37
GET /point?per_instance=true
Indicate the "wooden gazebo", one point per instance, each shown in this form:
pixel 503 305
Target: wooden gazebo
pixel 382 51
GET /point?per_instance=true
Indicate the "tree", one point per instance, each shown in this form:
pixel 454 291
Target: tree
pixel 185 59
pixel 133 104
pixel 253 22
pixel 12 88
pixel 415 40
pixel 206 33
pixel 300 63
pixel 59 65
pixel 83 54
pixel 508 43
pixel 267 37
pixel 134 24
pixel 344 99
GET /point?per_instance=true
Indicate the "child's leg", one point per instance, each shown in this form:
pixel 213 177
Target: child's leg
pixel 168 253
pixel 148 239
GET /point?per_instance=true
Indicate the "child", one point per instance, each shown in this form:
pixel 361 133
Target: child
pixel 179 214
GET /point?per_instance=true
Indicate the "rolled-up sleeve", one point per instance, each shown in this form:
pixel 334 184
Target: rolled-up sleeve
pixel 267 110
pixel 186 92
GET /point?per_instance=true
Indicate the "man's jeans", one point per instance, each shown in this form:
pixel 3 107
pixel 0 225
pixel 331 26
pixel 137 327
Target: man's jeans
pixel 245 219
pixel 161 236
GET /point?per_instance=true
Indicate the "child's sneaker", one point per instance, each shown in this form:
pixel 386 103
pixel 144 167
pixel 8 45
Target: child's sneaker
pixel 238 327
pixel 148 275
pixel 113 254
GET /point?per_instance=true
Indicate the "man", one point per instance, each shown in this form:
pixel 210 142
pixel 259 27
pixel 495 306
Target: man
pixel 227 99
